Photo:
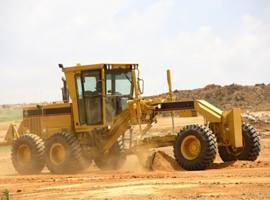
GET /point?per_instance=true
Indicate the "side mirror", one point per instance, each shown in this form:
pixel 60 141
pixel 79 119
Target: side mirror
pixel 141 85
pixel 65 92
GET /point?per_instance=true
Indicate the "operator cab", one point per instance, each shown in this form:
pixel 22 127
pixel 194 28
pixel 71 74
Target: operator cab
pixel 97 85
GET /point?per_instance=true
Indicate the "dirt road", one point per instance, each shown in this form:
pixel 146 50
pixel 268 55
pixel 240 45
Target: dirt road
pixel 240 180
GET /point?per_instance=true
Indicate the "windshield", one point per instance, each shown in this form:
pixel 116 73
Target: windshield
pixel 118 82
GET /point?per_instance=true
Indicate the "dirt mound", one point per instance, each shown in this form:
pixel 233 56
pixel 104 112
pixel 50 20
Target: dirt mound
pixel 163 162
pixel 253 98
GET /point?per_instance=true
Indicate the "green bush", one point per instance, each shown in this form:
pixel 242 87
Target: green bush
pixel 9 113
pixel 5 195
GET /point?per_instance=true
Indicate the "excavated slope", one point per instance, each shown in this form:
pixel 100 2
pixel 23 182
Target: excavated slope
pixel 253 98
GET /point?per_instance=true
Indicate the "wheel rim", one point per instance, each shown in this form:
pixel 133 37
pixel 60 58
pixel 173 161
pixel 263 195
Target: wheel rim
pixel 190 147
pixel 57 154
pixel 24 154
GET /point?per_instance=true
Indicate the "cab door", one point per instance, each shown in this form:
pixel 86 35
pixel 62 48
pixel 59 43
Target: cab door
pixel 89 97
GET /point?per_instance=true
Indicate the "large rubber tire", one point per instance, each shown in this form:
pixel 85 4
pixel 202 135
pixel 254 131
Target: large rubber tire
pixel 64 154
pixel 113 161
pixel 207 143
pixel 27 154
pixel 252 143
pixel 226 154
pixel 251 149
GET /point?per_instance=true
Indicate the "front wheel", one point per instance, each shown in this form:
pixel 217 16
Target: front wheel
pixel 195 147
pixel 251 146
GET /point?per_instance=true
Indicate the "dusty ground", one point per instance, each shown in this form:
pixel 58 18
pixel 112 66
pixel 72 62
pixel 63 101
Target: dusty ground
pixel 240 180
pixel 3 129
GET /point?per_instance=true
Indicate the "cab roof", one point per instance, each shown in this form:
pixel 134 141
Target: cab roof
pixel 80 67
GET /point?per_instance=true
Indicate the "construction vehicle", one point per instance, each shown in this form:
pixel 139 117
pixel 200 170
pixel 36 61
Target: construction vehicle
pixel 102 106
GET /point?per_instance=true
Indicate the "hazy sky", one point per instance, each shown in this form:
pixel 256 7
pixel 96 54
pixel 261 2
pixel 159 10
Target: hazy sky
pixel 202 42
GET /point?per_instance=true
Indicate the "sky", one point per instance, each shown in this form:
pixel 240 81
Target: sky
pixel 202 42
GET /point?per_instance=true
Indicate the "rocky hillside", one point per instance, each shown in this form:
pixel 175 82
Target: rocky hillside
pixel 253 98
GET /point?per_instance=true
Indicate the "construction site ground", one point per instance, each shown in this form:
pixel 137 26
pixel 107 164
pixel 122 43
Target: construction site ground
pixel 239 180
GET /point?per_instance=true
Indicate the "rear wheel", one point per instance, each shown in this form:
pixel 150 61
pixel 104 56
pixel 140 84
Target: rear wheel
pixel 195 147
pixel 28 154
pixel 64 154
pixel 251 146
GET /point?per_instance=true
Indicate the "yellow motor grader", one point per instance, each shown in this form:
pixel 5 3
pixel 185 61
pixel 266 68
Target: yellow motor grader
pixel 101 105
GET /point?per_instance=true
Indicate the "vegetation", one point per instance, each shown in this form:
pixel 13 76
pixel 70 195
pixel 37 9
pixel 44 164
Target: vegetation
pixel 10 113
pixel 5 195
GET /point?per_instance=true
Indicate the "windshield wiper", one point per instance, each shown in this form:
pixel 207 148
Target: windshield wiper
pixel 128 78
